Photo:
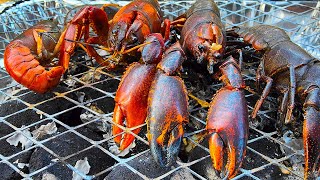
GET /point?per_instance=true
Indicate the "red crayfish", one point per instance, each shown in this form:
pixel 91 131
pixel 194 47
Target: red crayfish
pixel 291 71
pixel 203 37
pixel 27 57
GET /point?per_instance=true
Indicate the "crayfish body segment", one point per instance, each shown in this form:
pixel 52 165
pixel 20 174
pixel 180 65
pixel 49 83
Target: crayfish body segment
pixel 291 71
pixel 167 108
pixel 227 122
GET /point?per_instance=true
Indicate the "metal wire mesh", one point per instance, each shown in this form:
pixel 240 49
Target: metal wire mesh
pixel 23 110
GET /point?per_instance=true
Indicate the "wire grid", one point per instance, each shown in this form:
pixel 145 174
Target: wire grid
pixel 299 19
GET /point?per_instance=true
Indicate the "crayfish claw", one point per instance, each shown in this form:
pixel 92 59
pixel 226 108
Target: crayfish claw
pixel 127 139
pixel 311 138
pixel 216 151
pixel 235 150
pixel 118 119
pixel 163 153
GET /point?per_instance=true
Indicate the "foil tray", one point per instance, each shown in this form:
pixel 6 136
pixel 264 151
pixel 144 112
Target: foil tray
pixel 270 154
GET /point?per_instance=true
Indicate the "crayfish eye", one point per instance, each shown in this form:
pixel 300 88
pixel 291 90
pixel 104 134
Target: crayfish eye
pixel 134 38
pixel 114 32
pixel 201 47
pixel 217 55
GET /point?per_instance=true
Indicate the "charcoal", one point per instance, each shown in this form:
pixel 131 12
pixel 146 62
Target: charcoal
pixel 66 145
pixel 146 165
pixel 8 173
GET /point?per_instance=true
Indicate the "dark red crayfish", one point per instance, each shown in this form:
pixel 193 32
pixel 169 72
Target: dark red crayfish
pixel 290 71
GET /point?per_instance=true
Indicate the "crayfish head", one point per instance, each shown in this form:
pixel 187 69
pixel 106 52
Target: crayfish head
pixel 210 52
pixel 136 33
pixel 116 35
pixel 209 44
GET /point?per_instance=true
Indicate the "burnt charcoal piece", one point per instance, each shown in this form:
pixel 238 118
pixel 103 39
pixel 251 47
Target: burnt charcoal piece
pixel 5 129
pixel 8 173
pixel 147 166
pixel 11 107
pixel 253 160
pixel 89 133
pixel 273 172
pixel 105 104
pixel 89 93
pixel 110 85
pixel 34 98
pixel 9 150
pixel 24 118
pixel 70 117
pixel 268 148
pixel 65 145
pixel 23 159
pixel 98 124
pixel 21 162
pixel 97 159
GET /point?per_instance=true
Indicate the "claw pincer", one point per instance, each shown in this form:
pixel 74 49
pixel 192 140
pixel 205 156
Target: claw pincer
pixel 132 94
pixel 167 108
pixel 227 122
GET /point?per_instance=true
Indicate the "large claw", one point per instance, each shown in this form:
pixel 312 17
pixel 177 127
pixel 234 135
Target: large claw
pixel 167 108
pixel 311 136
pixel 167 112
pixel 166 146
pixel 227 122
pixel 132 94
pixel 131 101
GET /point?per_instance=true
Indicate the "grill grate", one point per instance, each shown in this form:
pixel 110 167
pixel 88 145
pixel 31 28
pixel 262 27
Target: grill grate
pixel 22 110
